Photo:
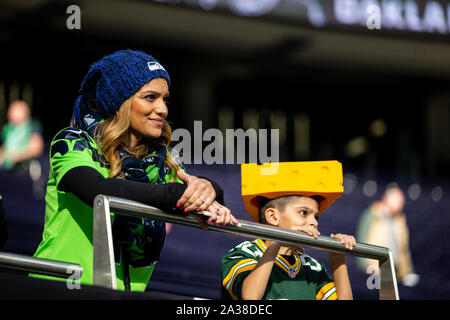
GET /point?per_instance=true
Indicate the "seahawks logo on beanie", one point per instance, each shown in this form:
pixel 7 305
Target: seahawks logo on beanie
pixel 153 65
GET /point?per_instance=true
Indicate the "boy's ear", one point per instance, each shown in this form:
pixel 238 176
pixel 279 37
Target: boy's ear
pixel 272 216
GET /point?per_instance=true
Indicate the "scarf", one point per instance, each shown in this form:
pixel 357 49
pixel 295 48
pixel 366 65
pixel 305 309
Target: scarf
pixel 141 239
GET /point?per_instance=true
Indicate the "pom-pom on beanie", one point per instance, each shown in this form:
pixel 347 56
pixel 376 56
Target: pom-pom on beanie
pixel 112 80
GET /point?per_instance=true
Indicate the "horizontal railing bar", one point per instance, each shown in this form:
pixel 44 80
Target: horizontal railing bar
pixel 13 261
pixel 250 229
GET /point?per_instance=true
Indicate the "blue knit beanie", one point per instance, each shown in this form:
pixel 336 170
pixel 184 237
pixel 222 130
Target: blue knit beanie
pixel 112 80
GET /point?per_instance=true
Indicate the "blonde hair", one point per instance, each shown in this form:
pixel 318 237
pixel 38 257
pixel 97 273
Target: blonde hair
pixel 111 136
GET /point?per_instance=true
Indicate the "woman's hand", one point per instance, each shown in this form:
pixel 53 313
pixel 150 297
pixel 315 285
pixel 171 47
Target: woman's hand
pixel 199 194
pixel 221 215
pixel 217 213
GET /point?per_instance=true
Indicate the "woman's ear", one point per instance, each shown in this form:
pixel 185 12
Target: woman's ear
pixel 272 216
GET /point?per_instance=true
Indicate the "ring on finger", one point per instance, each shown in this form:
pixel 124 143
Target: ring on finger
pixel 203 199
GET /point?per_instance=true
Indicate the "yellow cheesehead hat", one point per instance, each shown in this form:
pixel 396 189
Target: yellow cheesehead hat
pixel 306 178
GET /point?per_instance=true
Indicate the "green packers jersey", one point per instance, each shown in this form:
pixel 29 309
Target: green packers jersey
pixel 304 278
pixel 67 234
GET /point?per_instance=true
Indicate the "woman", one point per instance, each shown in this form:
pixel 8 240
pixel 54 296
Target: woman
pixel 118 146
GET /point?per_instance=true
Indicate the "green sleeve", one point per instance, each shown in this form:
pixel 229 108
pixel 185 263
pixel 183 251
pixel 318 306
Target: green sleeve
pixel 72 148
pixel 236 266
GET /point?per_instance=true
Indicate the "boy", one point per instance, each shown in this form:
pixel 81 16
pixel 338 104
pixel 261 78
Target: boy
pixel 270 270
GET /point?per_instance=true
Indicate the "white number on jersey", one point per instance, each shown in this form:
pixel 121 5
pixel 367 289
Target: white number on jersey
pixel 246 245
pixel 311 262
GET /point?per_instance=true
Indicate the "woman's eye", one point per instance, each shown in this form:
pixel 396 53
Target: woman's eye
pixel 303 212
pixel 150 97
pixel 166 100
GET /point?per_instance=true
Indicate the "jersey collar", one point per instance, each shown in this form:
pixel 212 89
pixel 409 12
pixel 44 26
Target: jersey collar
pixel 291 269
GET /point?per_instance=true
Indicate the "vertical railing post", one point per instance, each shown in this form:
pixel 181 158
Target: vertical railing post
pixel 388 279
pixel 104 273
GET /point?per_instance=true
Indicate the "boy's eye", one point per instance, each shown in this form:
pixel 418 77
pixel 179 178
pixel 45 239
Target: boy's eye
pixel 303 212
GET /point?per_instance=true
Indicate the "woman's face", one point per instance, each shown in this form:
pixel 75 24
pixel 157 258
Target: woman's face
pixel 149 111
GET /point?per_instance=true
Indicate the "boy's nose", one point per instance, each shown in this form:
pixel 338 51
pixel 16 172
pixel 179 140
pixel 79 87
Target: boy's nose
pixel 313 221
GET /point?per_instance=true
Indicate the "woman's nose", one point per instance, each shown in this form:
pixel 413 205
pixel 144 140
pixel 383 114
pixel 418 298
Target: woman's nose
pixel 161 109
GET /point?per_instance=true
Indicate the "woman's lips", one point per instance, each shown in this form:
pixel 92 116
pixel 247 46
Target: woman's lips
pixel 158 122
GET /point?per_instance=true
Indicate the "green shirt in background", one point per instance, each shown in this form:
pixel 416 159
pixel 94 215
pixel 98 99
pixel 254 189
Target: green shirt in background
pixel 16 139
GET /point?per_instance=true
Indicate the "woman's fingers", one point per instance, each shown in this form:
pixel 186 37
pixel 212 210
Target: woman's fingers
pixel 230 219
pixel 193 198
pixel 207 201
pixel 187 194
pixel 183 176
pixel 226 215
pixel 221 215
pixel 194 201
pixel 199 195
pixel 213 211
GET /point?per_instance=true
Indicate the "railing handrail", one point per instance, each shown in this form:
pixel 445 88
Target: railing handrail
pixel 20 262
pixel 104 269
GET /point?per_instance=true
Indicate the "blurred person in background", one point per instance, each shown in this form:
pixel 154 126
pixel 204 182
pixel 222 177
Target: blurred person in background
pixel 384 224
pixel 21 137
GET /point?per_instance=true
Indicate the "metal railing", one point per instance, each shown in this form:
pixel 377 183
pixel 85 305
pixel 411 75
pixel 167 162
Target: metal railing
pixel 19 262
pixel 104 266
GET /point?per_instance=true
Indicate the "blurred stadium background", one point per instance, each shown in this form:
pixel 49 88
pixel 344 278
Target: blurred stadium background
pixel 377 100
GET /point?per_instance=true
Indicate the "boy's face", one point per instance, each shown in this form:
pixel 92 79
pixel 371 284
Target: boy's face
pixel 299 211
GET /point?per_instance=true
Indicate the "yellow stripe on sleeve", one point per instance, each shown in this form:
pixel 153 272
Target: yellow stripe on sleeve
pixel 327 290
pixel 241 266
pixel 333 296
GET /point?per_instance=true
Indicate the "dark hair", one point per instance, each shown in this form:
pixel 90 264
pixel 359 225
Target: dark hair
pixel 279 204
